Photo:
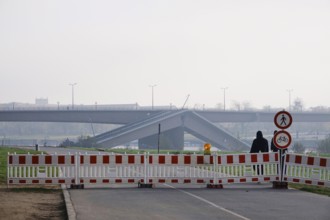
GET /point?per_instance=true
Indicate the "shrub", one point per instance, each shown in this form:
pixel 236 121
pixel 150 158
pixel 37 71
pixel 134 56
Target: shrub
pixel 324 145
pixel 298 147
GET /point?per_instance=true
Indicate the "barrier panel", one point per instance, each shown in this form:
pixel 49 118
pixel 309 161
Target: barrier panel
pixel 41 169
pixel 109 169
pixel 307 170
pixel 212 169
pixel 142 168
pixel 191 169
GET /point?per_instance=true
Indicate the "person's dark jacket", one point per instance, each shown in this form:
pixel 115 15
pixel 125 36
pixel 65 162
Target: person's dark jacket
pixel 272 146
pixel 260 144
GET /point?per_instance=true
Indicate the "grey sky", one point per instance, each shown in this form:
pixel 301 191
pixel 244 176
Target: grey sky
pixel 114 50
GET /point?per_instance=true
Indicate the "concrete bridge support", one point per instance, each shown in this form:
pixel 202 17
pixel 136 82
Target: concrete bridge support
pixel 172 139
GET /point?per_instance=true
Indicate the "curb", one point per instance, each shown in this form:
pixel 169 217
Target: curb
pixel 68 203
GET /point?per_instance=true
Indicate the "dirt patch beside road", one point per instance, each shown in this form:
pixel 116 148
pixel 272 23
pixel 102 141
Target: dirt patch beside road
pixel 32 203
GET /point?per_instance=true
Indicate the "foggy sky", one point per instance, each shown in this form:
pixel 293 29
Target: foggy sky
pixel 114 50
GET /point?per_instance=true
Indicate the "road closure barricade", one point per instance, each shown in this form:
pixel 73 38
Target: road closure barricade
pixel 306 169
pixel 89 169
pixel 41 169
pixel 141 168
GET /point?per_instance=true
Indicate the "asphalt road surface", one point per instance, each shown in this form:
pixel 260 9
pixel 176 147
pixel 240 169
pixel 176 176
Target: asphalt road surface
pixel 243 201
pixel 235 201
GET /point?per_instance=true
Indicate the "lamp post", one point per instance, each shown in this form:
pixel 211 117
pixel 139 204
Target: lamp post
pixel 289 91
pixel 224 97
pixel 152 96
pixel 72 89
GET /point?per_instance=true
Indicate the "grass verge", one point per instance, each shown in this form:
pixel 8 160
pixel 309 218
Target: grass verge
pixel 313 189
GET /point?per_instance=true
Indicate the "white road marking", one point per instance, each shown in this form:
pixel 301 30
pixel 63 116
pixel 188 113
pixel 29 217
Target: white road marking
pixel 208 202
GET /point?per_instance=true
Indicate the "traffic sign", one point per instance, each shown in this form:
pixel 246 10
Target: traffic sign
pixel 283 119
pixel 282 139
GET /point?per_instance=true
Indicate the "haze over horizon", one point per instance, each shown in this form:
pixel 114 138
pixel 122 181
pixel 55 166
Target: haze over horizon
pixel 262 51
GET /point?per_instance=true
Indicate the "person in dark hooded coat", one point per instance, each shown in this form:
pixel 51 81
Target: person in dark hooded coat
pixel 260 144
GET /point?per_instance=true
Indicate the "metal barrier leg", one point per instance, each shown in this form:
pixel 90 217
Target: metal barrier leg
pixel 145 183
pixel 215 184
pixel 280 184
pixel 76 184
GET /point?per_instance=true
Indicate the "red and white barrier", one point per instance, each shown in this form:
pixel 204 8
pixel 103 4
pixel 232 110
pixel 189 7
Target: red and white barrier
pixel 41 169
pixel 145 168
pixel 307 170
pixel 165 168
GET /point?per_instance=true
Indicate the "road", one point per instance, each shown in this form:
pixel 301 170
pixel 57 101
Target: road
pixel 235 201
pixel 248 201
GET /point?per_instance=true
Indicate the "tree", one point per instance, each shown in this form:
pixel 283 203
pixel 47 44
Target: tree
pixel 298 147
pixel 298 105
pixel 67 143
pixel 247 106
pixel 85 142
pixel 236 106
pixel 219 106
pixel 324 145
pixel 320 109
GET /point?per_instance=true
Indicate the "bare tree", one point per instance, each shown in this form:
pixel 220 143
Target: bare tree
pixel 298 105
pixel 236 105
pixel 320 109
pixel 247 106
pixel 219 106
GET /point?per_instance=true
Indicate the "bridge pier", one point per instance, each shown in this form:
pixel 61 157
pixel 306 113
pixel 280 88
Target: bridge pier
pixel 168 140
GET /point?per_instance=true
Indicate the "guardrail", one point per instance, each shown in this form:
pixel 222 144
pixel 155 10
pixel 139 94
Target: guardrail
pixel 164 168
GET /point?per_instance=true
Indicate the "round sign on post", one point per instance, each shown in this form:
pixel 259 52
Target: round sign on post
pixel 282 139
pixel 283 119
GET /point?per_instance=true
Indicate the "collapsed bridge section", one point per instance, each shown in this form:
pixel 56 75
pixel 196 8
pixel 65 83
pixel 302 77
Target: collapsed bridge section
pixel 166 130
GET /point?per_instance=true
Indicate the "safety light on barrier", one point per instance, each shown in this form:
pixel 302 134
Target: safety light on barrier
pixel 207 149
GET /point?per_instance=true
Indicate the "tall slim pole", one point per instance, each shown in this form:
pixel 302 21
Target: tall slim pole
pixel 224 98
pixel 152 96
pixel 158 137
pixel 289 91
pixel 72 90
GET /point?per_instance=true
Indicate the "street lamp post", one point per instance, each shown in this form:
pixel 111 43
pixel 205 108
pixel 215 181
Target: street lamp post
pixel 289 91
pixel 72 89
pixel 224 98
pixel 152 96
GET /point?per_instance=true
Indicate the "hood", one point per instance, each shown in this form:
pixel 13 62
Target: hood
pixel 259 135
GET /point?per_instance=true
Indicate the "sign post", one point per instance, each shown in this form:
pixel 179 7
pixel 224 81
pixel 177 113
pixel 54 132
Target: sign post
pixel 282 140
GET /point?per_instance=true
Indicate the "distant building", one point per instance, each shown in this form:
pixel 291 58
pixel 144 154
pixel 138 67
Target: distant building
pixel 41 101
